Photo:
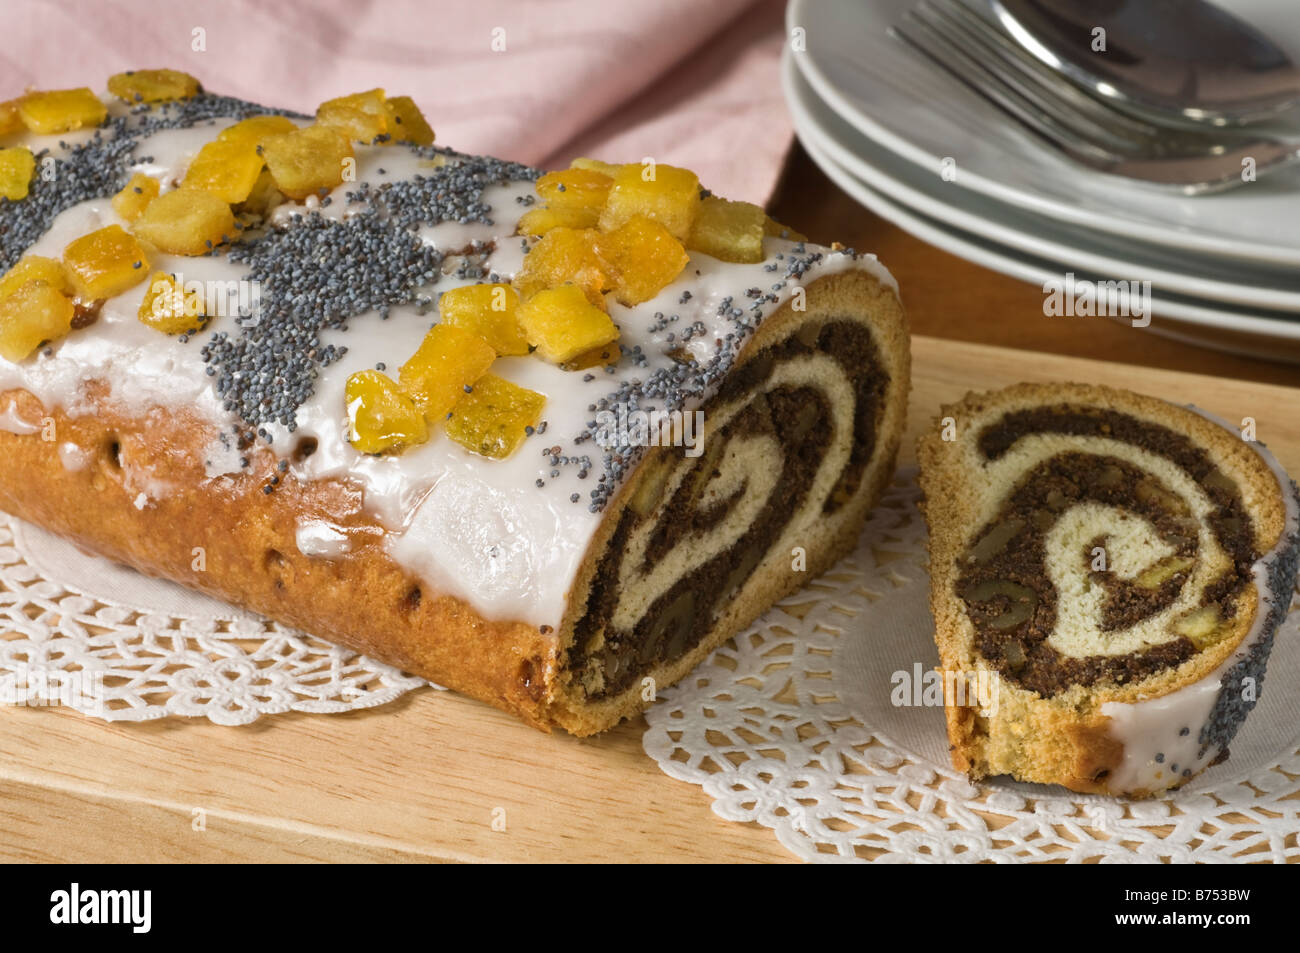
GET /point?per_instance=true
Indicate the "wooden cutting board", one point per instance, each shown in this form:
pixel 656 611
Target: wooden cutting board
pixel 420 779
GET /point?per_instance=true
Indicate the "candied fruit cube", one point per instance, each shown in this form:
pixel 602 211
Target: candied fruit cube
pixel 601 356
pixel 562 323
pixel 595 165
pixel 565 255
pixel 186 222
pixel 360 115
pixel 574 188
pixel 665 193
pixel 264 197
pixel 35 268
pixel 255 129
pixel 406 123
pixel 61 110
pixel 307 161
pixel 447 361
pixel 381 416
pixel 11 120
pixel 228 170
pixel 731 231
pixel 774 228
pixel 135 196
pixel 492 418
pixel 168 307
pixel 489 312
pixel 16 167
pixel 105 263
pixel 643 258
pixel 153 85
pixel 540 220
pixel 1203 625
pixel 30 316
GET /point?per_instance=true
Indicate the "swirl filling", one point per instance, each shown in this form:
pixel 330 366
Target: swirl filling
pixel 1116 555
pixel 789 435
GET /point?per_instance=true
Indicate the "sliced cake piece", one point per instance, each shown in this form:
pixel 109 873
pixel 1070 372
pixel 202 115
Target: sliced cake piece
pixel 1107 573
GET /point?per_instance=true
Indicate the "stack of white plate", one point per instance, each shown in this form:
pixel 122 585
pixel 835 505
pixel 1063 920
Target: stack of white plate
pixel 920 149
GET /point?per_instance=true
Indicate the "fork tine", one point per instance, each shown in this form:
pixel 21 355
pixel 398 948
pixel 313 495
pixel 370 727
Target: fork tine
pixel 962 66
pixel 1046 99
pixel 996 42
pixel 1190 173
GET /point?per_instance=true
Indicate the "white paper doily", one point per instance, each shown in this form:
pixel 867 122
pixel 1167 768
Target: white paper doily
pixel 792 727
pixel 78 630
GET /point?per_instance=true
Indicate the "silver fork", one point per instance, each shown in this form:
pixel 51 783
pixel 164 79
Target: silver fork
pixel 975 51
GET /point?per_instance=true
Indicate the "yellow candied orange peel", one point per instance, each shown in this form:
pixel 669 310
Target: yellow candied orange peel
pixel 643 258
pixel 574 188
pixel 489 311
pixel 406 123
pixel 105 263
pixel 61 110
pixel 596 165
pixel 562 323
pixel 731 231
pixel 308 161
pixel 263 198
pixel 776 230
pixel 494 418
pixel 34 314
pixel 256 129
pixel 448 360
pixel 36 268
pixel 227 169
pixel 565 255
pixel 186 222
pixel 665 193
pixel 540 220
pixel 361 116
pixel 153 85
pixel 11 119
pixel 17 165
pixel 169 308
pixel 135 196
pixel 573 199
pixel 380 415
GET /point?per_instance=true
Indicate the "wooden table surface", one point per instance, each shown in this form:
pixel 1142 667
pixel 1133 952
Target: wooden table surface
pixel 421 779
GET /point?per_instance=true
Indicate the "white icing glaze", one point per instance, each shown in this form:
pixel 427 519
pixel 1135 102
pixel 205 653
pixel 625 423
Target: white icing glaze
pixel 221 458
pixel 475 528
pixel 1169 726
pixel 166 154
pixel 14 422
pixel 319 538
pixel 146 482
pixel 74 457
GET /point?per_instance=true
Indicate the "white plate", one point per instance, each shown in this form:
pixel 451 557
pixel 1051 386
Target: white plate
pixel 1170 271
pixel 917 111
pixel 1178 318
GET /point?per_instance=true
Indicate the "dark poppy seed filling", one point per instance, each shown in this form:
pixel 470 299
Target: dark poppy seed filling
pixel 1005 583
pixel 799 419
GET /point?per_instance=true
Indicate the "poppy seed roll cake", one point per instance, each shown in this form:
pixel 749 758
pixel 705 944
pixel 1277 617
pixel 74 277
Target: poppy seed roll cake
pixel 545 439
pixel 1117 566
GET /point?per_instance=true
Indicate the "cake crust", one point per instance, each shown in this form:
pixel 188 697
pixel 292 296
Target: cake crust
pixel 228 537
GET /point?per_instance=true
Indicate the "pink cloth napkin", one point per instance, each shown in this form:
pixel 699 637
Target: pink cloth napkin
pixel 688 83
